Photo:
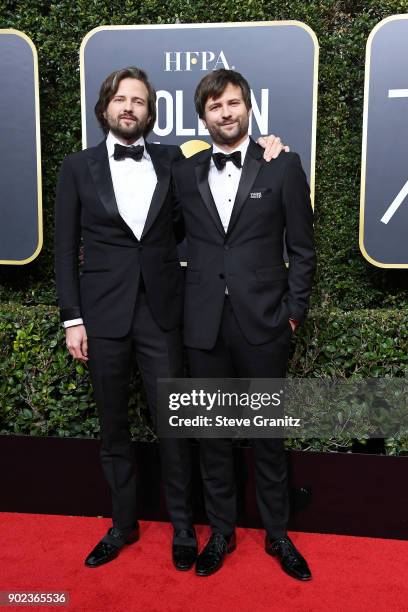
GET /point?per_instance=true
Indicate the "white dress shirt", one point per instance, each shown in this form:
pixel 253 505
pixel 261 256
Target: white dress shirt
pixel 134 183
pixel 224 183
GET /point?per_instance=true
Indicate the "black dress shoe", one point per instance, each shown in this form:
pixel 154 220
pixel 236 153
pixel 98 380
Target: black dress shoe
pixel 184 549
pixel 110 545
pixel 290 558
pixel 212 556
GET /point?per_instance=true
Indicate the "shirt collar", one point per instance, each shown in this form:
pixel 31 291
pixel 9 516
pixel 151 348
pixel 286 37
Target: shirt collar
pixel 243 147
pixel 111 140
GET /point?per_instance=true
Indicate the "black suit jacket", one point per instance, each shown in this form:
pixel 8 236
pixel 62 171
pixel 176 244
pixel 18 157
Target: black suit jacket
pixel 104 293
pixel 272 202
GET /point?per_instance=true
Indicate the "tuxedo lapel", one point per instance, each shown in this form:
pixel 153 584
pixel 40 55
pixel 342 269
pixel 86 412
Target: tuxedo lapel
pixel 160 192
pixel 251 167
pixel 98 164
pixel 202 170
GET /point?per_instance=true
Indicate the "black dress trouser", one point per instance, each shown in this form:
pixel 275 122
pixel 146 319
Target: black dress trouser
pixel 158 354
pixel 234 357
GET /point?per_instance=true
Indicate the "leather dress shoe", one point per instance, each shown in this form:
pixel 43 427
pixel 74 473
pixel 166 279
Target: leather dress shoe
pixel 111 544
pixel 212 556
pixel 184 549
pixel 290 558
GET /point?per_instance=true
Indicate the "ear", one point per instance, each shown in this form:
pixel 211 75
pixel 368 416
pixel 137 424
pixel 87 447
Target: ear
pixel 204 123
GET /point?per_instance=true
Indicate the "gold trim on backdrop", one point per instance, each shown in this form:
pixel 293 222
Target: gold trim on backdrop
pixel 20 262
pixel 370 39
pixel 244 24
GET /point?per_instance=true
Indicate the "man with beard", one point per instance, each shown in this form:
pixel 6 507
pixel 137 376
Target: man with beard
pixel 242 304
pixel 127 302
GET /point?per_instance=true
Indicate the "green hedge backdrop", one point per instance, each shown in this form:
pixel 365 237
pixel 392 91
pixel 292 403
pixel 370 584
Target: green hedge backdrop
pixel 357 324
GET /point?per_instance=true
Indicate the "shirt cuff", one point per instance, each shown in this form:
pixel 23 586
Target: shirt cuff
pixel 72 322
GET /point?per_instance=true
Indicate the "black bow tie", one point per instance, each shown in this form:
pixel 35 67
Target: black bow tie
pixel 121 152
pixel 220 159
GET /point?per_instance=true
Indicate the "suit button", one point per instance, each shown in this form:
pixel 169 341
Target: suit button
pixel 226 247
pixel 221 275
pixel 140 247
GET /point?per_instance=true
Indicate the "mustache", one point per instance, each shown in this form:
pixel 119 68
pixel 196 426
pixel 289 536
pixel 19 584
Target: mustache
pixel 128 116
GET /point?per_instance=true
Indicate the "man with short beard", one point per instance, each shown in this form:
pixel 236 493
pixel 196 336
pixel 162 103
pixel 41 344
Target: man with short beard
pixel 242 304
pixel 127 302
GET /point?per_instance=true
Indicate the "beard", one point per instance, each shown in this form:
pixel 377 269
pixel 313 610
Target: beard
pixel 127 132
pixel 222 137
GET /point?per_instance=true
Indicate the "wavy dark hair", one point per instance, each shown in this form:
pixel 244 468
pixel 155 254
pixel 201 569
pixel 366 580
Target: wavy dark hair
pixel 214 84
pixel 109 88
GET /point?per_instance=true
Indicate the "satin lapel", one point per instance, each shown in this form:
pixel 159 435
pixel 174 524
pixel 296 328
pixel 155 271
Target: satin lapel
pixel 252 165
pixel 98 164
pixel 201 171
pixel 162 187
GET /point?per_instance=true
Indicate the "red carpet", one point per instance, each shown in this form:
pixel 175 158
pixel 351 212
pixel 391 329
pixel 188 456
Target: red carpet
pixel 46 553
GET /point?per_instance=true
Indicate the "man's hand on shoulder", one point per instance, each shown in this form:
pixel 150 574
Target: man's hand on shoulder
pixel 273 146
pixel 77 342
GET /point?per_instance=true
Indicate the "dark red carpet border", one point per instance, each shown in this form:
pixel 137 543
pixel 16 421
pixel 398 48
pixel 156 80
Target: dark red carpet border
pixel 46 553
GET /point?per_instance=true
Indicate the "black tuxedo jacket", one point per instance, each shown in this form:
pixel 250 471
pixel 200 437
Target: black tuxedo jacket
pixel 272 204
pixel 104 293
